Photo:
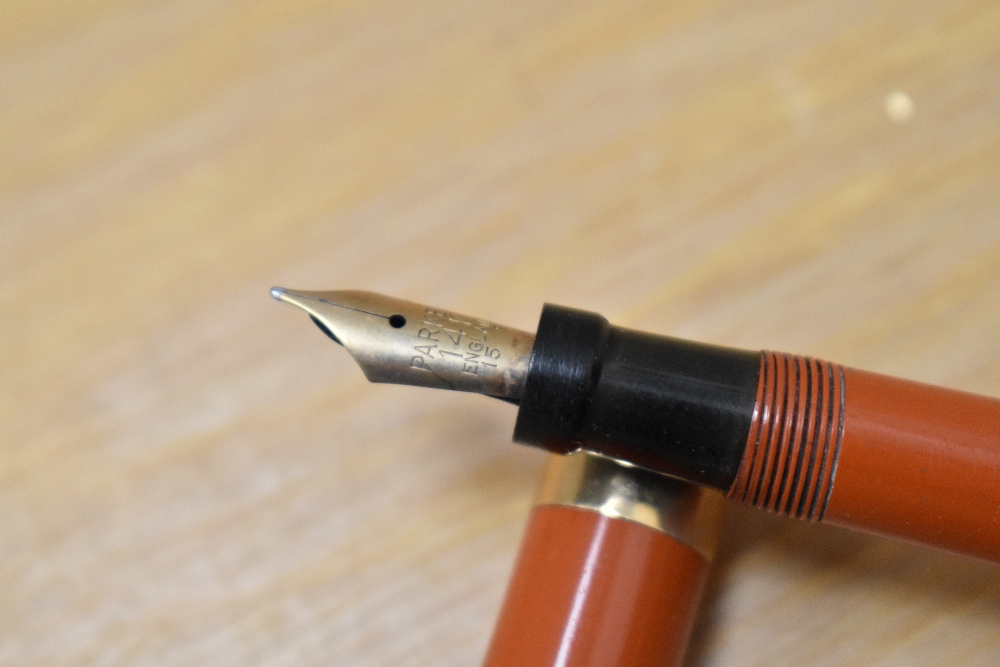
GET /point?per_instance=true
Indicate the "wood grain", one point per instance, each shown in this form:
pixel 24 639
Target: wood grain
pixel 191 474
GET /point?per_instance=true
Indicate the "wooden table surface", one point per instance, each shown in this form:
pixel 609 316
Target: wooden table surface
pixel 191 474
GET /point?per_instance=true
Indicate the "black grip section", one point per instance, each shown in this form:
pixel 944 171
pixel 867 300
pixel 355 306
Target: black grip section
pixel 667 404
pixel 565 365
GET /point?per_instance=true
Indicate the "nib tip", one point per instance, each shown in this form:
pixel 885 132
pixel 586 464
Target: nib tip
pixel 277 293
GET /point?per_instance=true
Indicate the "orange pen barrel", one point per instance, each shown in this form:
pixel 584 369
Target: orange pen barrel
pixel 875 453
pixel 611 569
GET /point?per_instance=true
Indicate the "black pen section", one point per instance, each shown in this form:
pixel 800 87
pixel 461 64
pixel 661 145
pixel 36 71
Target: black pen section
pixel 666 404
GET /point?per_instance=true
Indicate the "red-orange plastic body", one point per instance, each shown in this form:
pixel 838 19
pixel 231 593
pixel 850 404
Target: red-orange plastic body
pixel 920 462
pixel 875 453
pixel 594 591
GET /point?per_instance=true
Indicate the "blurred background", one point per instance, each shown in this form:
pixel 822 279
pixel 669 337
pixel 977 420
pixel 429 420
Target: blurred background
pixel 191 473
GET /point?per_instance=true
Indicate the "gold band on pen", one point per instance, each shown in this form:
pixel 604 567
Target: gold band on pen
pixel 682 510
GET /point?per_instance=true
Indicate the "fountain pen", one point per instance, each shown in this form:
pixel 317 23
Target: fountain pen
pixel 787 433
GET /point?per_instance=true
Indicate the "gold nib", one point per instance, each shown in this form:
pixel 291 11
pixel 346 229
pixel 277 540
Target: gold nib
pixel 402 342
